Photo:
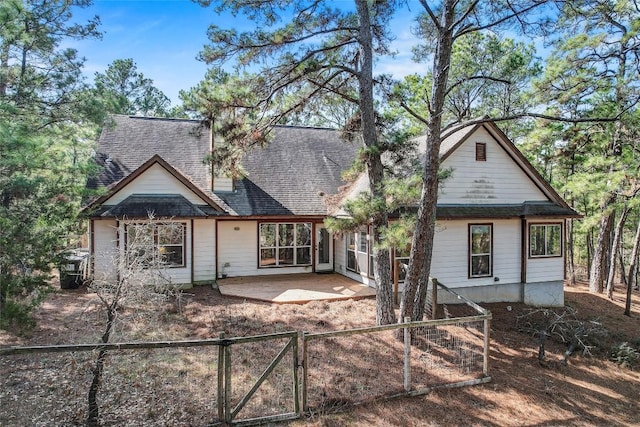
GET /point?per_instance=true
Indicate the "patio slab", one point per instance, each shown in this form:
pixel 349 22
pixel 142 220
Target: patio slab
pixel 294 288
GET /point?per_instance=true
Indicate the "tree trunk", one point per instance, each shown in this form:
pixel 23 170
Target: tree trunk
pixel 614 251
pixel 599 261
pixel 92 401
pixel 632 270
pixel 422 242
pixel 385 313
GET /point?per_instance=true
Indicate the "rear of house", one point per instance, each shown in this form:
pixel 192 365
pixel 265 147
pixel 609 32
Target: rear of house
pixel 500 225
pixel 499 231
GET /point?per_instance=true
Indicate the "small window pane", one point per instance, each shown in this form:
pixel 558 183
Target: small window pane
pixel 267 235
pixel 480 265
pixel 553 240
pixel 267 257
pixel 285 235
pixel 537 240
pixel 285 256
pixel 169 234
pixel 351 241
pixel 303 256
pixel 171 255
pixel 480 239
pixel 303 234
pixel 363 241
pixel 351 261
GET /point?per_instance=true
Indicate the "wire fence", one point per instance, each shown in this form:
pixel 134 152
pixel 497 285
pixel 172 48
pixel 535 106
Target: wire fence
pixel 245 380
pixel 142 386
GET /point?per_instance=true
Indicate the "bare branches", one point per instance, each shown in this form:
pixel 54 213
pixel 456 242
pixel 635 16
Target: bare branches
pixel 564 326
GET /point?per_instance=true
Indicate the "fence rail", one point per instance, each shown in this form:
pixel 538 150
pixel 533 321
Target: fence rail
pixel 248 380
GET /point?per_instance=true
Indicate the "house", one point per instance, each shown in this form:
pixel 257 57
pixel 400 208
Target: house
pixel 501 226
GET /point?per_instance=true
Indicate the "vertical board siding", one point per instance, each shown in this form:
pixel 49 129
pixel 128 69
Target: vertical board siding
pixel 204 246
pixel 450 262
pixel 238 250
pixel 155 180
pixel 497 180
pixel 105 250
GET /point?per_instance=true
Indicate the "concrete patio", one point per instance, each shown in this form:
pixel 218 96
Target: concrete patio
pixel 294 288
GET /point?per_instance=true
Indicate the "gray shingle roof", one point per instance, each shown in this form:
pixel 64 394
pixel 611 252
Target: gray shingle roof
pixel 129 141
pixel 160 205
pixel 290 176
pixel 293 173
pixel 523 210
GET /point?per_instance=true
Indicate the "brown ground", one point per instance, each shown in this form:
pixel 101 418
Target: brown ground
pixel 589 391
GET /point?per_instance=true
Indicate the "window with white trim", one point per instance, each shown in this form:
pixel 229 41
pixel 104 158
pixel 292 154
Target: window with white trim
pixel 150 244
pixel 480 250
pixel 285 244
pixel 545 240
pixel 360 252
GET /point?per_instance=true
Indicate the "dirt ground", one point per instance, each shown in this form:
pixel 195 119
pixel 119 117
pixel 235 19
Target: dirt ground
pixel 587 391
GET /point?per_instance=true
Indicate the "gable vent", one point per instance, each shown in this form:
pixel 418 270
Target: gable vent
pixel 481 152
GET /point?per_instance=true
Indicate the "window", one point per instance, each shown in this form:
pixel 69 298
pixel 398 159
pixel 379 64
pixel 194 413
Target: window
pixel 360 254
pixel 352 263
pixel 155 244
pixel 285 244
pixel 480 250
pixel 481 152
pixel 545 240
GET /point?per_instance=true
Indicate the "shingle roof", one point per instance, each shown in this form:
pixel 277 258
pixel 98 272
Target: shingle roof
pixel 534 209
pixel 293 173
pixel 129 141
pixel 523 210
pixel 290 176
pixel 159 205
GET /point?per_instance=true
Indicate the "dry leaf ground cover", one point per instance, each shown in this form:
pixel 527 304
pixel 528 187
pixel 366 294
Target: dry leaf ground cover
pixel 171 387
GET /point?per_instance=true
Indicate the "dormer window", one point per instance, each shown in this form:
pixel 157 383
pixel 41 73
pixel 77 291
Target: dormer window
pixel 481 152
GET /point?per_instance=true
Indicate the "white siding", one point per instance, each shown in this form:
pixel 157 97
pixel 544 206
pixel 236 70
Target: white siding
pixel 340 254
pixel 238 251
pixel 155 180
pixel 105 250
pixel 497 180
pixel 450 262
pixel 204 246
pixel 222 183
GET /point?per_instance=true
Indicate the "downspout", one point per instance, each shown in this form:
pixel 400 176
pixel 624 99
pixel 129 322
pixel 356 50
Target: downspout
pixel 211 148
pixel 120 255
pixel 523 256
pixel 192 254
pixel 92 248
pixel 216 252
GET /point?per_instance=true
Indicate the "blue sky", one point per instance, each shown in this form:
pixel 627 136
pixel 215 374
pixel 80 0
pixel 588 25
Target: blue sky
pixel 164 37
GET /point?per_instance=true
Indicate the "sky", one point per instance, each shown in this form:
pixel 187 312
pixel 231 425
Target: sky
pixel 164 37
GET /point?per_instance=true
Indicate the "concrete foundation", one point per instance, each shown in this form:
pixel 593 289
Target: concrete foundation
pixel 542 294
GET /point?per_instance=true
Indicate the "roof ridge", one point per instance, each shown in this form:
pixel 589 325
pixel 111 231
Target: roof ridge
pixel 306 127
pixel 174 119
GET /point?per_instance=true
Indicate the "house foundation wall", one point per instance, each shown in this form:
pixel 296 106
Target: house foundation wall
pixel 541 294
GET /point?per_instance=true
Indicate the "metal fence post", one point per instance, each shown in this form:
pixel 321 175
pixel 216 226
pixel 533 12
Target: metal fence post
pixel 221 378
pixel 305 370
pixel 227 384
pixel 407 356
pixel 485 361
pixel 434 299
